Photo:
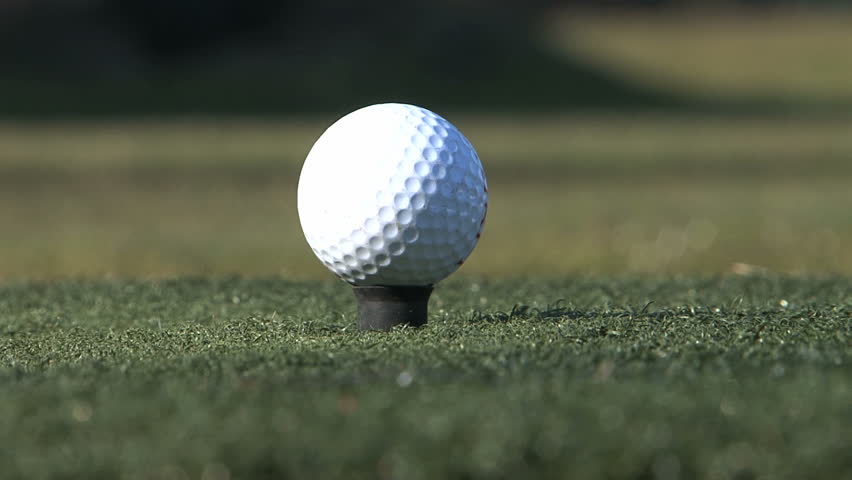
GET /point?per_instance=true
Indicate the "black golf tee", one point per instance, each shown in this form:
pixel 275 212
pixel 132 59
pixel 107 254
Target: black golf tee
pixel 382 308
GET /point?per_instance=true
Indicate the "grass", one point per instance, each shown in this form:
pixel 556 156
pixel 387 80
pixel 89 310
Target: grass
pixel 695 377
pixel 680 307
pixel 597 194
pixel 787 56
pixel 716 59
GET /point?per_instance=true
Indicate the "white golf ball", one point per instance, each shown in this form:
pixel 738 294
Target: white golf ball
pixel 392 194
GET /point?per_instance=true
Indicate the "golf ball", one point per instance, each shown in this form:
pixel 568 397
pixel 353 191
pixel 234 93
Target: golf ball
pixel 392 194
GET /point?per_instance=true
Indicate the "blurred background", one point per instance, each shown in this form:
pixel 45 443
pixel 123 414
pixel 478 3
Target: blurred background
pixel 155 138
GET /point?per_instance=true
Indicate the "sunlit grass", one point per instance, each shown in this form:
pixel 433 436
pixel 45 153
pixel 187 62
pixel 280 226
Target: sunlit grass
pixel 786 54
pixel 620 141
pixel 568 194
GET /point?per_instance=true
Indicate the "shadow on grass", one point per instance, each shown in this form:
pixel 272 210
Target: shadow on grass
pixel 527 80
pixel 519 80
pixel 279 57
pixel 286 59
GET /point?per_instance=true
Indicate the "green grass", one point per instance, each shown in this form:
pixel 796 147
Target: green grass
pixel 634 377
pixel 708 59
pixel 590 194
pixel 562 358
pixel 786 56
pixel 162 317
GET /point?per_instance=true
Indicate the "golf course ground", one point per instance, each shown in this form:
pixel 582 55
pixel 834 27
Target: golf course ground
pixel 687 377
pixel 658 293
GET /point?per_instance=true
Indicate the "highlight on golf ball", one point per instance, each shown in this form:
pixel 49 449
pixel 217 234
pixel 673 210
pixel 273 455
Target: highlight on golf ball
pixel 392 194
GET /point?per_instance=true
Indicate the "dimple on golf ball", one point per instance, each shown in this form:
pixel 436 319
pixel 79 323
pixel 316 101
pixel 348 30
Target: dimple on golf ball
pixel 392 194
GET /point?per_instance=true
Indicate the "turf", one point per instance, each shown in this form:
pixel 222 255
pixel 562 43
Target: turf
pixel 634 377
pixel 787 56
pixel 603 194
